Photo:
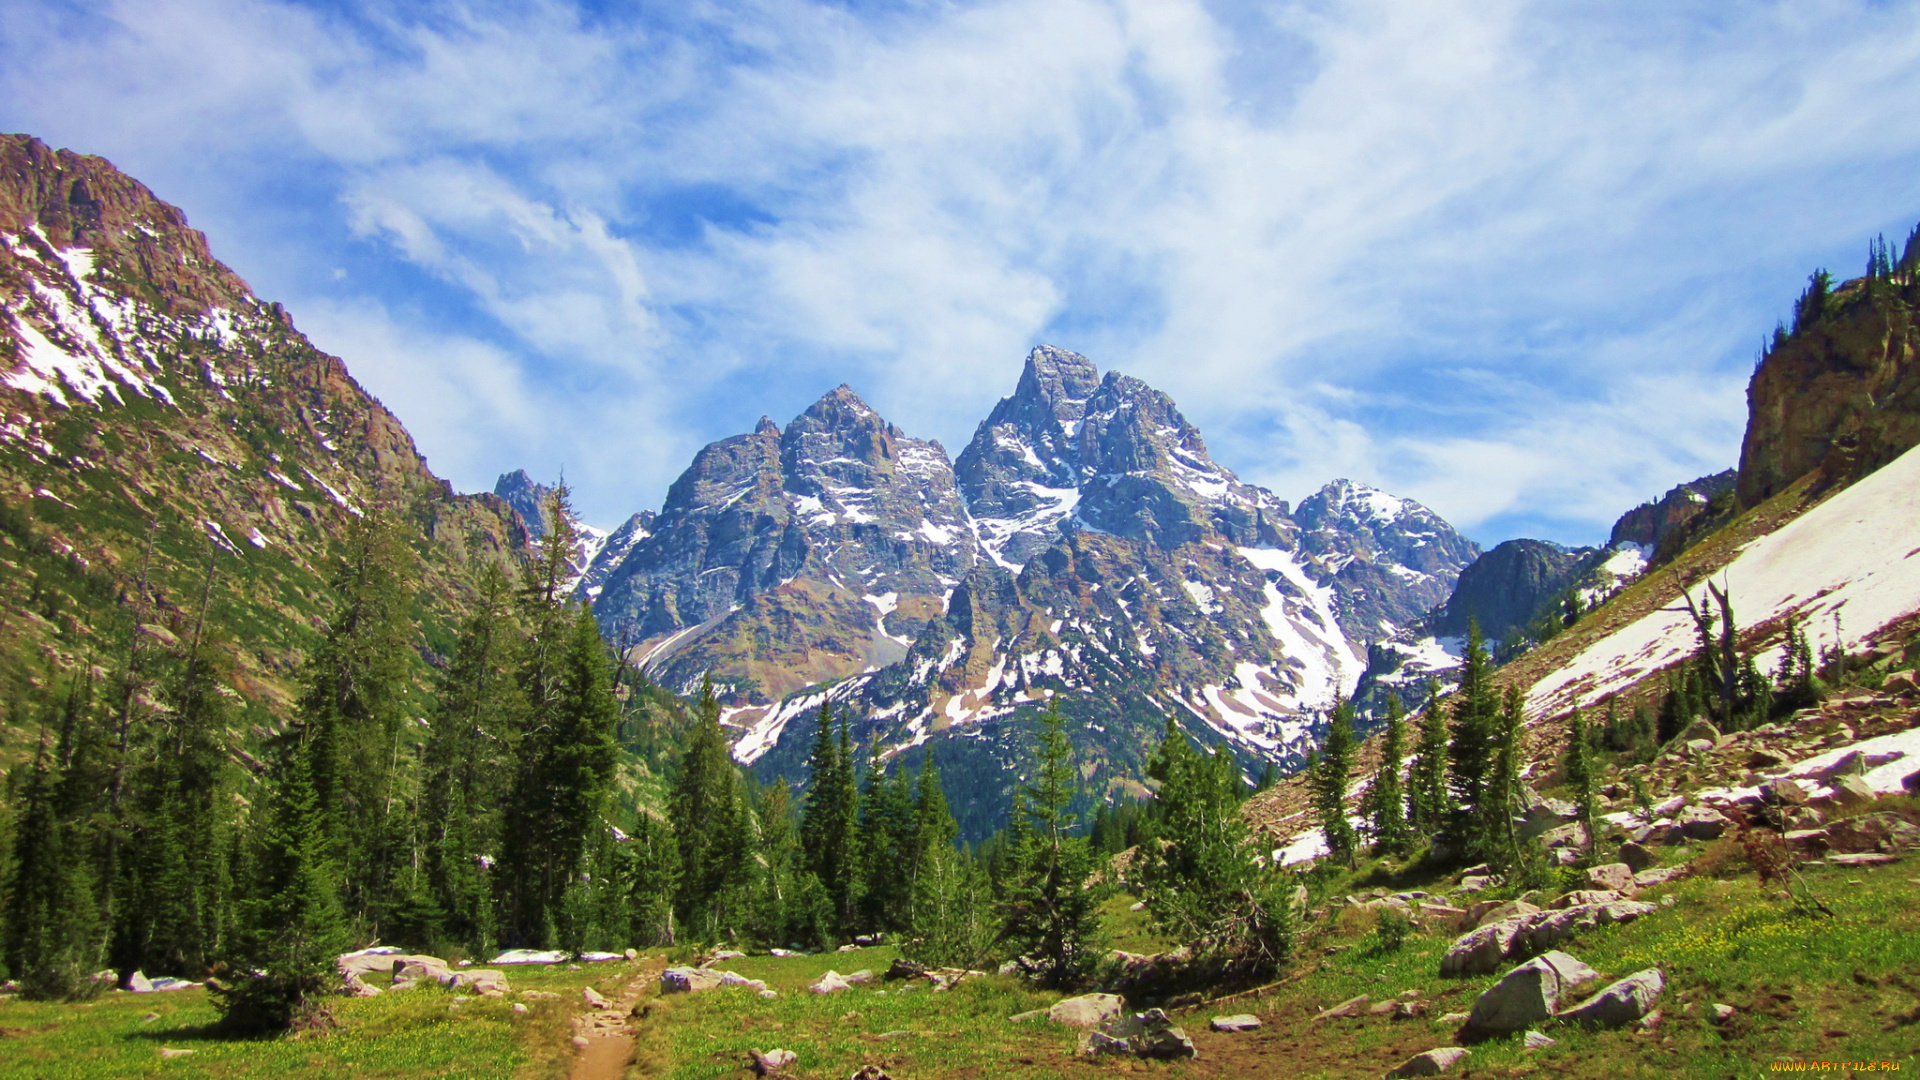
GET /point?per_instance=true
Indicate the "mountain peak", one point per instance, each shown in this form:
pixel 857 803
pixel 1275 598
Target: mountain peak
pixel 766 426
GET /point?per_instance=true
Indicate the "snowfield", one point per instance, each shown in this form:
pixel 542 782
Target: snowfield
pixel 1857 556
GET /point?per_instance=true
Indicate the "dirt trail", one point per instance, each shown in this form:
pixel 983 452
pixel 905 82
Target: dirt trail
pixel 605 1036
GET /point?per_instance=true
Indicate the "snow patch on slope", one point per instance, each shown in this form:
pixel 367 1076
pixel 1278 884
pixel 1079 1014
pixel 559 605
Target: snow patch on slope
pixel 1856 555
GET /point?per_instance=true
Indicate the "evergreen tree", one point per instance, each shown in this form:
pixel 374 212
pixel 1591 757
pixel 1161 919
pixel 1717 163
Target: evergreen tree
pixel 650 876
pixel 773 917
pixel 1500 799
pixel 1578 766
pixel 1328 782
pixel 564 777
pixel 53 937
pixel 1427 778
pixel 1053 914
pixel 934 829
pixel 1383 805
pixel 709 823
pixel 1476 716
pixel 953 923
pixel 1204 883
pixel 295 925
pixel 352 709
pixel 887 830
pixel 829 824
pixel 470 765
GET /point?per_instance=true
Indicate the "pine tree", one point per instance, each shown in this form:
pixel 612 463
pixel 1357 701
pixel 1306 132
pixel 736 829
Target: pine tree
pixel 1427 778
pixel 470 765
pixel 1501 796
pixel 886 847
pixel 934 829
pixel 829 824
pixel 1579 768
pixel 709 823
pixel 353 708
pixel 1476 715
pixel 295 925
pixel 650 876
pixel 53 936
pixel 1383 805
pixel 1053 915
pixel 1328 782
pixel 564 777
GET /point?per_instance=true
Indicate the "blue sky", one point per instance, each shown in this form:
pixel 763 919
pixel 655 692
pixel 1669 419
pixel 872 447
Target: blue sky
pixel 1512 259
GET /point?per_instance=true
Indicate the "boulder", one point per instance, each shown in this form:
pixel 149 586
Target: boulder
pixel 530 956
pixel 1584 898
pixel 1152 1034
pixel 420 968
pixel 1533 1040
pixel 903 968
pixel 1620 1004
pixel 720 956
pixel 1911 783
pixel 1637 857
pixel 1863 858
pixel 729 978
pixel 1763 758
pixel 1659 875
pixel 1544 815
pixel 1522 998
pixel 1852 763
pixel 1476 883
pixel 592 998
pixel 1437 1062
pixel 1087 1010
pixel 1572 834
pixel 1239 1022
pixel 831 983
pixel 352 985
pixel 1445 913
pixel 1783 792
pixel 1701 823
pixel 1482 951
pixel 1099 1044
pixel 688 980
pixel 1849 792
pixel 1491 911
pixel 1616 877
pixel 1806 841
pixel 1884 831
pixel 1409 1010
pixel 483 981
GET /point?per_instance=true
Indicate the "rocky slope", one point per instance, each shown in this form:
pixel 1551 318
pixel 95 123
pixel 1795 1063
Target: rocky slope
pixel 596 551
pixel 160 423
pixel 1083 547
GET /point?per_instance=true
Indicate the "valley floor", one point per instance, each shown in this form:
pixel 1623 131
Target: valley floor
pixel 1803 988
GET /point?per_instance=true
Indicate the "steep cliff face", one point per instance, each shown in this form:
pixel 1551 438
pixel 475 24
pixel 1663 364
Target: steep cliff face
pixel 1841 394
pixel 1505 587
pixel 155 414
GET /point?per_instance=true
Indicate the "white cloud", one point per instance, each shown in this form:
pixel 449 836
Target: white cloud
pixel 1503 256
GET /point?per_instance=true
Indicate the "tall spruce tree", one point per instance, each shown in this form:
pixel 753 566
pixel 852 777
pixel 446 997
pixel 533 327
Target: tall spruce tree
pixel 829 826
pixel 934 829
pixel 1328 780
pixel 1053 915
pixel 352 710
pixel 1383 805
pixel 886 848
pixel 709 823
pixel 1578 766
pixel 1500 800
pixel 294 924
pixel 1476 716
pixel 1427 778
pixel 54 936
pixel 563 778
pixel 471 763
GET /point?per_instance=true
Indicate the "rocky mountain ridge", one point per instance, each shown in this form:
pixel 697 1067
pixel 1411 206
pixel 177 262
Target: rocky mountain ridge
pixel 1083 548
pixel 161 424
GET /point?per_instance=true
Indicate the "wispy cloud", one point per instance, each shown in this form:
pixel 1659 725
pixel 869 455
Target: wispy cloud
pixel 1507 257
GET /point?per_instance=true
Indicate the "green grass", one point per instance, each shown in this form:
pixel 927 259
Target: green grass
pixel 418 1033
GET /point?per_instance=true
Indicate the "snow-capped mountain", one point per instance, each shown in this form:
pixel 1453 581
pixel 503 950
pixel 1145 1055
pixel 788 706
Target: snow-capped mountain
pixel 596 552
pixel 1084 548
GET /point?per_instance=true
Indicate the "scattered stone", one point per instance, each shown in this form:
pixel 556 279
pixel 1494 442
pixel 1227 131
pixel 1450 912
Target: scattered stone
pixel 1884 832
pixel 1488 911
pixel 1849 764
pixel 520 1009
pixel 831 983
pixel 870 1072
pixel 631 954
pixel 1475 883
pixel 352 985
pixel 1430 1063
pixel 539 995
pixel 1151 1034
pixel 1617 877
pixel 170 1052
pixel 1454 1019
pixel 1241 1022
pixel 1700 729
pixel 848 948
pixel 1382 1008
pixel 483 981
pixel 784 953
pixel 1659 875
pixel 1087 1010
pixel 772 1062
pixel 1765 759
pixel 903 968
pixel 1637 857
pixel 769 994
pixel 1409 1010
pixel 1099 1044
pixel 593 998
pixel 1528 994
pixel 1722 1013
pixel 1619 1004
pixel 1031 1014
pixel 1533 1040
pixel 579 1042
pixel 149 1018
pixel 1353 1006
pixel 1483 950
pixel 1783 792
pixel 1701 823
pixel 1584 897
pixel 1863 858
pixel 1651 1021
pixel 420 968
pixel 1850 791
